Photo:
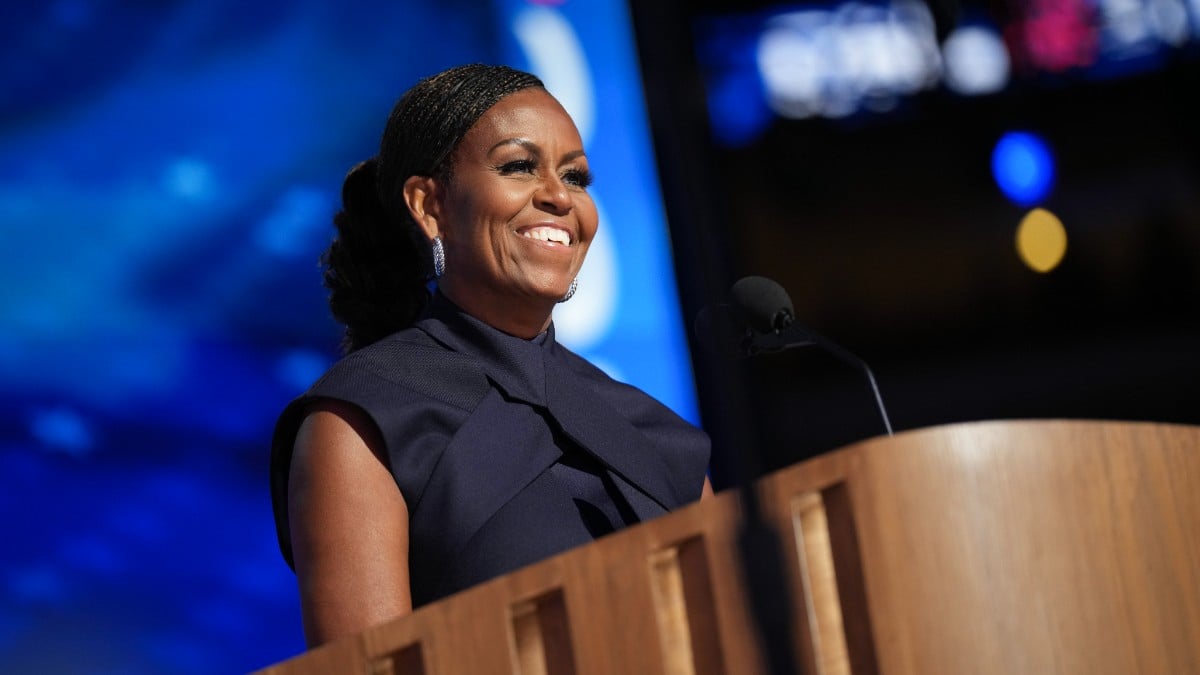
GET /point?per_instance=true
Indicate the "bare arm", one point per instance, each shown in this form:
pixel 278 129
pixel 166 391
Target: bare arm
pixel 349 525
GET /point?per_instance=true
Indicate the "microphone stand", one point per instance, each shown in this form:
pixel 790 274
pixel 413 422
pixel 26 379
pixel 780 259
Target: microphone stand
pixel 758 543
pixel 766 581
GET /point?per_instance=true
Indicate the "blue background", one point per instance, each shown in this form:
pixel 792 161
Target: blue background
pixel 167 175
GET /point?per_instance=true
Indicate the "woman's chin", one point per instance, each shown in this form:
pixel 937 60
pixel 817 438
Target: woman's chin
pixel 550 289
pixel 551 295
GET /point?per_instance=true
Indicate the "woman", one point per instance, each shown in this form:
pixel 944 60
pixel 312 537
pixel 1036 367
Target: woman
pixel 457 441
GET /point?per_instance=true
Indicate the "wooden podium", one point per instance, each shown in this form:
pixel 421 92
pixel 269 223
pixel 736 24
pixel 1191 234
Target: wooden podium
pixel 991 547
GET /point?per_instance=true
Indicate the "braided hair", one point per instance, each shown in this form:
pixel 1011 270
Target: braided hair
pixel 377 266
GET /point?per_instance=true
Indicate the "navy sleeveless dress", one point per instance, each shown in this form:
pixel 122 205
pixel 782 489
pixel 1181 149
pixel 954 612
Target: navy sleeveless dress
pixel 507 451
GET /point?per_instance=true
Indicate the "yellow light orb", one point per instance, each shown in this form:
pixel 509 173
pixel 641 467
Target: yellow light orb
pixel 1041 240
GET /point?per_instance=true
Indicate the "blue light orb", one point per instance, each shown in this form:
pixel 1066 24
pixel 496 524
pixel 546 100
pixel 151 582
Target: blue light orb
pixel 738 109
pixel 1023 167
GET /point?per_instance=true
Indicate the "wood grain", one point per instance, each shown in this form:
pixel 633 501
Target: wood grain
pixel 990 547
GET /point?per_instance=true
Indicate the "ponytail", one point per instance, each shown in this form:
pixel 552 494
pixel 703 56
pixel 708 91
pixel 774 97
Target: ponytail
pixel 377 265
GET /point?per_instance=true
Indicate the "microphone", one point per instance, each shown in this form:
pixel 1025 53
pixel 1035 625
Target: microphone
pixel 762 304
pixel 770 326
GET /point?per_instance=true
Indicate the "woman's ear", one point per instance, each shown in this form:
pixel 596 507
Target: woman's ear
pixel 422 195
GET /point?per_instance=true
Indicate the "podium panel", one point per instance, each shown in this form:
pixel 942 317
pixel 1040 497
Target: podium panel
pixel 989 547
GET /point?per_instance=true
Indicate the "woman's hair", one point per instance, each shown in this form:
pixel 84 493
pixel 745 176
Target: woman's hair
pixel 378 265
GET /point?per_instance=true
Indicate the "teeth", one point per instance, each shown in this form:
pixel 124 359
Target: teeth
pixel 548 234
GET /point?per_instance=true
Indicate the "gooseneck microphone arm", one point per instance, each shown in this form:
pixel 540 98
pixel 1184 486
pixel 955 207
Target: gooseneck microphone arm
pixel 794 335
pixel 767 312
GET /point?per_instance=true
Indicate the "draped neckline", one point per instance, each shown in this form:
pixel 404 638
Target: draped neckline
pixel 537 372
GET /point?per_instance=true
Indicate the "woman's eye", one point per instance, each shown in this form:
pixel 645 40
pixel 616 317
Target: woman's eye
pixel 517 166
pixel 580 178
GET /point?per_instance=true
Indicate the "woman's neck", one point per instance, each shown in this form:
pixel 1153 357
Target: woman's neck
pixel 525 319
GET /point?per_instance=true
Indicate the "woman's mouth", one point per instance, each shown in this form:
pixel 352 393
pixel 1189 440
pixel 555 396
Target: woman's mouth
pixel 548 234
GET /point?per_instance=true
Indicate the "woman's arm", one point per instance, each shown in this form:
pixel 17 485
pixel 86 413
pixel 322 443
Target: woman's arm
pixel 349 525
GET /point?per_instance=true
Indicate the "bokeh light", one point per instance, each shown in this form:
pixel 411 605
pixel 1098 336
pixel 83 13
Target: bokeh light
pixel 976 61
pixel 832 63
pixel 1023 167
pixel 1041 240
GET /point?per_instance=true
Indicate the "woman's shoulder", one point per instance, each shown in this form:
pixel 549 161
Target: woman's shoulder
pixel 407 385
pixel 409 390
pixel 405 366
pixel 633 403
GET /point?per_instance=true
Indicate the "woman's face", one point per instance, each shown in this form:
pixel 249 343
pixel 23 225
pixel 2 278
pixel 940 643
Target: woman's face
pixel 515 216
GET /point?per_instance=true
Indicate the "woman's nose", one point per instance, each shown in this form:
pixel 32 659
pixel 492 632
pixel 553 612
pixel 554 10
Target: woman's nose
pixel 554 196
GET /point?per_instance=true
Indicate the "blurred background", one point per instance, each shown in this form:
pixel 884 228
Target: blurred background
pixel 995 205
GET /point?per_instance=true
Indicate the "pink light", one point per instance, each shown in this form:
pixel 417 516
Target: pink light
pixel 1055 35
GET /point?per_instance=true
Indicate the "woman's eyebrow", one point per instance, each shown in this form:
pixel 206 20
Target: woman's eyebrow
pixel 523 142
pixel 535 149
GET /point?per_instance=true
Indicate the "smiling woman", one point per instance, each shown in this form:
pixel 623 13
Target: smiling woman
pixel 457 440
pixel 516 219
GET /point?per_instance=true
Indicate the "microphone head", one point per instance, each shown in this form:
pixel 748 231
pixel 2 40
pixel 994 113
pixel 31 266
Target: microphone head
pixel 762 303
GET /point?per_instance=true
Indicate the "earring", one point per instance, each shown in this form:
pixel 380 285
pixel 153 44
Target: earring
pixel 571 290
pixel 439 258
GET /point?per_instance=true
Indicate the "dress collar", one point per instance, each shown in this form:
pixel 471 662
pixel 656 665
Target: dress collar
pixel 515 365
